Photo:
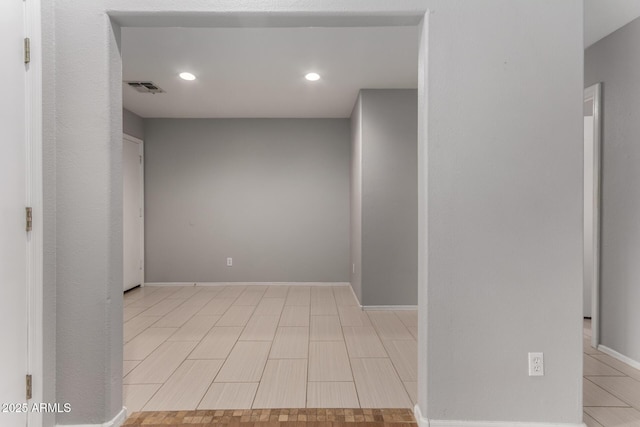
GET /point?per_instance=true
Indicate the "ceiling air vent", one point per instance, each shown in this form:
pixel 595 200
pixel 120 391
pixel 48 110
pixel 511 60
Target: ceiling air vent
pixel 145 87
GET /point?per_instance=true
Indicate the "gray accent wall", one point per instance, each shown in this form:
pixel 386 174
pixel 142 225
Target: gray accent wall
pixel 356 198
pixel 273 194
pixel 501 188
pixel 615 61
pixel 385 196
pixel 132 124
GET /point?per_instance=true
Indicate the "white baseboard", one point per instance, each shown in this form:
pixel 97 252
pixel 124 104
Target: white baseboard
pixel 247 283
pixel 388 307
pixel 425 422
pixel 621 357
pixel 116 421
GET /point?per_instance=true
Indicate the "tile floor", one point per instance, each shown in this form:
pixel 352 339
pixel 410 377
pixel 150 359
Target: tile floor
pixel 244 346
pixel 241 347
pixel 611 389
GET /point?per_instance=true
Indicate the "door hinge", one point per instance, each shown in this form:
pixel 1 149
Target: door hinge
pixel 140 159
pixel 27 50
pixel 29 219
pixel 29 387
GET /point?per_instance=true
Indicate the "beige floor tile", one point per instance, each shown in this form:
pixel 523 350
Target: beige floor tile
pixel 132 311
pixel 229 396
pixel 217 306
pixel 389 326
pixel 270 307
pixel 344 296
pixel 615 417
pixel 186 292
pixel 618 365
pixel 625 388
pixel 409 318
pixel 596 396
pixel 160 364
pixel 217 344
pixel 260 328
pixel 332 395
pixel 325 328
pixel 404 356
pixel 283 384
pixel 236 315
pixel 586 347
pixel 276 291
pixel 378 384
pixel 180 315
pixel 298 295
pixel 232 291
pixel 128 365
pixel 590 422
pixel 412 390
pixel 195 329
pixel 594 367
pixel 136 325
pixel 328 361
pixel 295 315
pixel 290 343
pixel 163 307
pixel 414 332
pixel 353 316
pixel 245 363
pixel 186 387
pixel 250 297
pixel 135 396
pixel 149 301
pixel 323 304
pixel 177 317
pixel 146 342
pixel 362 341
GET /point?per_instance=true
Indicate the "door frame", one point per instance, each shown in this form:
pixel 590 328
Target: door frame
pixel 140 143
pixel 593 94
pixel 34 199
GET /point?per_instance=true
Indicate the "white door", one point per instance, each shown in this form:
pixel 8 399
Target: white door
pixel 132 227
pixel 588 245
pixel 13 236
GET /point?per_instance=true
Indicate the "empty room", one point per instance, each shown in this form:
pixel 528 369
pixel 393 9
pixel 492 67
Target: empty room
pixel 270 213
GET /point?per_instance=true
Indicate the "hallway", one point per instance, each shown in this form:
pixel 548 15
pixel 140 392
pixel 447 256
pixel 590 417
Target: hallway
pixel 611 389
pixel 248 346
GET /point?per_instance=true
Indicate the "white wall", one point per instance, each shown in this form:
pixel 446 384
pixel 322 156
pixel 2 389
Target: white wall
pixel 615 61
pixel 356 198
pixel 503 156
pixel 273 194
pixel 132 124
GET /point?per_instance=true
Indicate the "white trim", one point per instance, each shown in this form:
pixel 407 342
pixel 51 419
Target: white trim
pixel 116 421
pixel 33 126
pixel 621 357
pixel 247 283
pixel 417 413
pixel 388 307
pixel 594 93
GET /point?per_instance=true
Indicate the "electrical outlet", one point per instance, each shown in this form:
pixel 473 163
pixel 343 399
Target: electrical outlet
pixel 229 262
pixel 536 364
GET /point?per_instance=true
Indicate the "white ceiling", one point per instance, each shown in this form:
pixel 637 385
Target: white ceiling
pixel 603 17
pixel 259 72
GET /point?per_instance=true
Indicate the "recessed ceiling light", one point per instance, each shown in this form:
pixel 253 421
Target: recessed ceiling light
pixel 187 76
pixel 312 77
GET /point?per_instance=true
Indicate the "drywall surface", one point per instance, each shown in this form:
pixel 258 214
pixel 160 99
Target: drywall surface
pixel 504 183
pixel 132 124
pixel 273 194
pixel 356 198
pixel 615 61
pixel 389 189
